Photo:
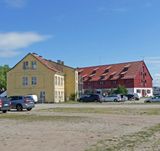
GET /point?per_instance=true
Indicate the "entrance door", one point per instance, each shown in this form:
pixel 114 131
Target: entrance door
pixel 42 96
pixel 143 93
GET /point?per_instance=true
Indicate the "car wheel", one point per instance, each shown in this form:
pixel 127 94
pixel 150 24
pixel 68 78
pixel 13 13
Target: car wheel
pixel 5 111
pixel 29 109
pixel 19 107
pixel 115 100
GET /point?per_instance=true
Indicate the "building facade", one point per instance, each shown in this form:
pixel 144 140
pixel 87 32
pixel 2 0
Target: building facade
pixel 135 76
pixel 50 81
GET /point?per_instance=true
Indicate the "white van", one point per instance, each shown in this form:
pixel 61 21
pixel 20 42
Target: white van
pixel 34 97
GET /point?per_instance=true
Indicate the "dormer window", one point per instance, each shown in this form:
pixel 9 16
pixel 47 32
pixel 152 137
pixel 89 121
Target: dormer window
pixel 112 74
pixel 126 67
pixel 106 70
pixel 123 73
pixel 94 71
pixel 102 77
pixel 80 71
pixel 25 65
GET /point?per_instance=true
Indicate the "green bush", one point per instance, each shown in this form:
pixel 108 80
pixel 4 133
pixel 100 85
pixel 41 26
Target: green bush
pixel 73 97
pixel 121 90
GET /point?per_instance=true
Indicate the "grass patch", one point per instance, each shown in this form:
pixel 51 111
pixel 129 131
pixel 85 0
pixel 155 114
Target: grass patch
pixel 122 111
pixel 32 118
pixel 70 102
pixel 126 142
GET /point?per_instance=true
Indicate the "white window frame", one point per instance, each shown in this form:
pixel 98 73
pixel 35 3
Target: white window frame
pixel 34 65
pixel 34 80
pixel 25 81
pixel 25 65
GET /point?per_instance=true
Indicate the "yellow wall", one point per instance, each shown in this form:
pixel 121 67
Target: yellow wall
pixel 45 80
pixel 70 80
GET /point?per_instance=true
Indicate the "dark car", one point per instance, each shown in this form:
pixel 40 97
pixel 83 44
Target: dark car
pixel 21 102
pixel 90 98
pixel 132 97
pixel 4 104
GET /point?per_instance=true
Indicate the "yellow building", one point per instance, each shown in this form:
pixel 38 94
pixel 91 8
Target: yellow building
pixel 50 81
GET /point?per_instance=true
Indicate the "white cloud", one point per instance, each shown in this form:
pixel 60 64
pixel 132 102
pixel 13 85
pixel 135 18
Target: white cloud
pixel 8 53
pixel 11 42
pixel 15 3
pixel 153 60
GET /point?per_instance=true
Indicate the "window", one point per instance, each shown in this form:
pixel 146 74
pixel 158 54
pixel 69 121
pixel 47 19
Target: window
pixel 143 69
pixel 34 80
pixel 148 91
pixel 114 82
pixel 138 91
pixel 55 80
pixel 61 81
pixel 34 65
pixel 58 80
pixel 62 94
pixel 25 81
pixel 25 65
pixel 59 94
pixel 101 83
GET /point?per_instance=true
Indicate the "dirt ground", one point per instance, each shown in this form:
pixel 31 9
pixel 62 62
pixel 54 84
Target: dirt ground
pixel 44 129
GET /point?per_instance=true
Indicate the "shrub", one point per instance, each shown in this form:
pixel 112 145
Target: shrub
pixel 121 90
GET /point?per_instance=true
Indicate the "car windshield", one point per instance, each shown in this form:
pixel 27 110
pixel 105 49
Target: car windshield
pixel 111 96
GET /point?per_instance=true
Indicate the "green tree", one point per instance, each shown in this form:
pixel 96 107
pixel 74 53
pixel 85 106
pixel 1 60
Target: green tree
pixel 121 90
pixel 3 77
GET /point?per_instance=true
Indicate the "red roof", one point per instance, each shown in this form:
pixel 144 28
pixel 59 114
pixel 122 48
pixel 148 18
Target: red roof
pixel 48 63
pixel 112 72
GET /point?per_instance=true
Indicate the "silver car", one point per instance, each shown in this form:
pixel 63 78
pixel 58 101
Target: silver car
pixel 112 98
pixel 153 99
pixel 21 102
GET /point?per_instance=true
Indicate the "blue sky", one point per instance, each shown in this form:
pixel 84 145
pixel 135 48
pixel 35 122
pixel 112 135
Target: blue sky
pixel 82 32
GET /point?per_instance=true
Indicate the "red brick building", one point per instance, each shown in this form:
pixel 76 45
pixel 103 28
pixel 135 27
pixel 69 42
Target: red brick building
pixel 135 76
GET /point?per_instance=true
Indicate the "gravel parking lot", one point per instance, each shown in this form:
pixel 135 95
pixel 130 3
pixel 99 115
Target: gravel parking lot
pixel 80 127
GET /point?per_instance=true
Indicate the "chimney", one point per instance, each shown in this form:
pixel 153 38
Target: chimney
pixel 60 62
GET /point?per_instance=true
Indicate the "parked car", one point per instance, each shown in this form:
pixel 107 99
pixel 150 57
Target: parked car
pixel 90 98
pixel 112 98
pixel 153 99
pixel 4 104
pixel 34 97
pixel 21 102
pixel 132 96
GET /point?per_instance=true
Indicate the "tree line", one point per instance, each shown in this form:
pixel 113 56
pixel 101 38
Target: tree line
pixel 3 77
